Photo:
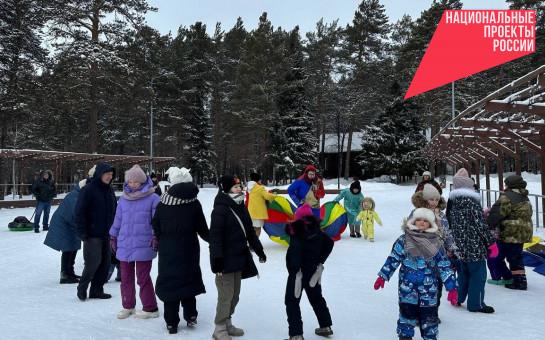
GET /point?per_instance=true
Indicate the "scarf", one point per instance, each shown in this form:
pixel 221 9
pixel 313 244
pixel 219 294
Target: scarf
pixel 238 198
pixel 136 195
pixel 422 244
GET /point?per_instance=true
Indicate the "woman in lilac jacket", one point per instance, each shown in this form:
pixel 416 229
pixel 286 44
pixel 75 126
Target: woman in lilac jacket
pixel 132 240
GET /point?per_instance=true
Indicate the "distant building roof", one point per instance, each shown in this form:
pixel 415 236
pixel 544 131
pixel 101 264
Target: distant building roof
pixel 331 145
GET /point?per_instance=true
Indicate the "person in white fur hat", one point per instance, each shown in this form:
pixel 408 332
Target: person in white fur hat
pixel 421 255
pixel 178 221
pixel 473 239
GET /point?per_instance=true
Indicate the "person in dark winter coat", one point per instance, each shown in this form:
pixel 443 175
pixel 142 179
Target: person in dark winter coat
pixel 44 189
pixel 156 185
pixel 178 220
pixel 512 215
pixel 427 179
pixel 131 238
pixel 231 232
pixel 62 233
pixel 95 211
pixel 308 250
pixel 420 253
pixel 473 240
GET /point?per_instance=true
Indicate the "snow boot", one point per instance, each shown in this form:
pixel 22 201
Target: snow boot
pixel 125 313
pixel 82 295
pixel 192 322
pixel 323 331
pixel 142 314
pixel 37 231
pixel 296 337
pixel 232 330
pixel 352 235
pixel 220 333
pixel 519 283
pixel 485 309
pixel 358 235
pixel 404 338
pixel 45 228
pixel 67 279
pixel 172 329
pixel 101 296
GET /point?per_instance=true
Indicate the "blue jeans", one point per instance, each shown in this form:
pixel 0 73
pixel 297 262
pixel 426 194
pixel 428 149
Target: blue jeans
pixel 44 207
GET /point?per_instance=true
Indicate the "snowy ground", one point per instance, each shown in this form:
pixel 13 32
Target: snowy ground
pixel 35 306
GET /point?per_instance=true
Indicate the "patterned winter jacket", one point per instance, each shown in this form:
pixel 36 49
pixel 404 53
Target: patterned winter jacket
pixel 418 276
pixel 512 214
pixel 465 218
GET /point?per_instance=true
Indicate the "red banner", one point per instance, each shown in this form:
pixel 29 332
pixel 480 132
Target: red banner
pixel 470 41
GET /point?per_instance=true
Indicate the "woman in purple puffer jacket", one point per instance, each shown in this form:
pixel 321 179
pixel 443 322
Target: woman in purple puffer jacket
pixel 131 238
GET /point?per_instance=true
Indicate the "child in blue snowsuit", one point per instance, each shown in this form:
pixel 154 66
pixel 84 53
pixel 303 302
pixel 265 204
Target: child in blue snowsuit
pixel 421 254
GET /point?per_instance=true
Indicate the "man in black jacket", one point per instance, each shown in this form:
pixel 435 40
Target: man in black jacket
pixel 44 190
pixel 95 211
pixel 231 231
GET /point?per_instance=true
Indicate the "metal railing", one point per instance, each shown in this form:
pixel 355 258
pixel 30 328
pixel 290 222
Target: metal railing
pixel 535 200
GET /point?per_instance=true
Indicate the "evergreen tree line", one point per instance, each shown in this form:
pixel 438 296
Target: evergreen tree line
pixel 86 76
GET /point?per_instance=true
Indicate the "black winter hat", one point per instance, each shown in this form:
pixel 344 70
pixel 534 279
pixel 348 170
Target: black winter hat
pixel 227 182
pixel 355 185
pixel 254 176
pixel 515 182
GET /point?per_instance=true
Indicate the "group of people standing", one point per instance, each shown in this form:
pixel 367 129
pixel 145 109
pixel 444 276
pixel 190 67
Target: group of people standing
pixel 450 250
pixel 436 248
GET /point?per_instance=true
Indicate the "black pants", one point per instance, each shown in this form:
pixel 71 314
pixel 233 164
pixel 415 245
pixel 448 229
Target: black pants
pixel 172 308
pixel 68 259
pixel 96 254
pixel 512 252
pixel 293 309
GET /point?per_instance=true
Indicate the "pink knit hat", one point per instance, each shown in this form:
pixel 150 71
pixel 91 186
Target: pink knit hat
pixel 302 211
pixel 462 180
pixel 136 174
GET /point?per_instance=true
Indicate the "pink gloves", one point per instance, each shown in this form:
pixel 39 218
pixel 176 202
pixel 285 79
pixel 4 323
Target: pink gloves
pixel 453 297
pixel 379 283
pixel 493 251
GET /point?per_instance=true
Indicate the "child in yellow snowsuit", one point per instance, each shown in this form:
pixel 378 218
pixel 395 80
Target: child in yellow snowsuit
pixel 368 216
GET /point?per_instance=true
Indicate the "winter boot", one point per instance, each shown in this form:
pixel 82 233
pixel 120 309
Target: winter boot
pixel 485 309
pixel 192 322
pixel 65 278
pixel 519 283
pixel 82 294
pixel 372 240
pixel 37 231
pixel 352 235
pixel 358 235
pixel 296 337
pixel 101 296
pixel 172 329
pixel 125 313
pixel 142 314
pixel 232 330
pixel 45 228
pixel 220 333
pixel 323 331
pixel 404 338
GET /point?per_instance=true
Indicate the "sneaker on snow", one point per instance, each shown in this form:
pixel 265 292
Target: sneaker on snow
pixel 102 296
pixel 172 329
pixel 192 322
pixel 142 314
pixel 323 331
pixel 125 313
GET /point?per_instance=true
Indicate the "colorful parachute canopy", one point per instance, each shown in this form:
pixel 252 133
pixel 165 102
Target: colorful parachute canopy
pixel 334 219
pixel 280 212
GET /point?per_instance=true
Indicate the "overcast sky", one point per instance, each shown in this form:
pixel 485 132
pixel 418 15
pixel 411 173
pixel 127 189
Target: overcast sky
pixel 286 13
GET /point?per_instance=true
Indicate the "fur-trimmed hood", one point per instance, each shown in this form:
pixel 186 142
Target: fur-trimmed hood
pixel 464 192
pixel 370 200
pixel 421 213
pixel 419 202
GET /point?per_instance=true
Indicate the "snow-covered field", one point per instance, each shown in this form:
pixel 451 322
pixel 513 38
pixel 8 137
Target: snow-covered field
pixel 34 305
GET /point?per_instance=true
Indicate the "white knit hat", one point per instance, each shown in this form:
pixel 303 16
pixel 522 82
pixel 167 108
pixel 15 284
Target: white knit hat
pixel 425 214
pixel 430 192
pixel 178 175
pixel 426 173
